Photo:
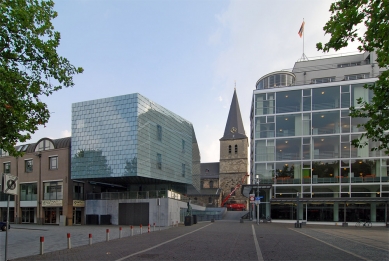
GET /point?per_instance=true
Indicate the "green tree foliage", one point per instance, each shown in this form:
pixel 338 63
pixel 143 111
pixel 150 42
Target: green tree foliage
pixel 30 67
pixel 347 16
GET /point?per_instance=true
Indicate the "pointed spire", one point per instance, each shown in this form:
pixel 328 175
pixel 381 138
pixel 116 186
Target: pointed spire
pixel 234 127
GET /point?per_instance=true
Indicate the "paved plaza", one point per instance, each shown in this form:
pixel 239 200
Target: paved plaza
pixel 220 240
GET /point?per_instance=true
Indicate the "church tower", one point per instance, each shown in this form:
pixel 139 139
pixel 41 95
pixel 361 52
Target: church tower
pixel 233 154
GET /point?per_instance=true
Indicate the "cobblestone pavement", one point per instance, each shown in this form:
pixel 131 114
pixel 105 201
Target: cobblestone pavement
pixel 231 240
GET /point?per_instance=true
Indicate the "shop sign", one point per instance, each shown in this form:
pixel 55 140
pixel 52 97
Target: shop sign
pixel 52 203
pixel 78 203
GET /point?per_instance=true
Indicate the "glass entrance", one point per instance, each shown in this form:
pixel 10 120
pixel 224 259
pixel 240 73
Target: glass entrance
pixel 77 216
pixel 27 215
pixel 52 215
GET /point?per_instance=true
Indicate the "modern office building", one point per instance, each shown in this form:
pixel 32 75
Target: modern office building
pixel 130 144
pixel 46 194
pixel 301 135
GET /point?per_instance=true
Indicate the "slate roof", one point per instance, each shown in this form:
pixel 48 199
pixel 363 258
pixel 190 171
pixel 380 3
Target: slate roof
pixel 234 120
pixel 209 170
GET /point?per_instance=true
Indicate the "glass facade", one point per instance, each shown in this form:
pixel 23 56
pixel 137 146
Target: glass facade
pixel 301 142
pixel 130 136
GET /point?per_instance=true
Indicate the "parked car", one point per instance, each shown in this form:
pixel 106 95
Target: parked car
pixel 3 226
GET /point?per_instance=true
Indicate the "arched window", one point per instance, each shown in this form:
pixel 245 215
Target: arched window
pixel 236 149
pixel 229 149
pixel 211 184
pixel 45 144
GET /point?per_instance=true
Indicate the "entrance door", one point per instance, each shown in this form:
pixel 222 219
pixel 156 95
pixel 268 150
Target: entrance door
pixel 27 215
pixel 77 216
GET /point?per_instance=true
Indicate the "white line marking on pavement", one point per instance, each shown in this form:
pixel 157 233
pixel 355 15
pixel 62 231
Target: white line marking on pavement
pixel 352 240
pixel 150 248
pixel 351 253
pixel 259 253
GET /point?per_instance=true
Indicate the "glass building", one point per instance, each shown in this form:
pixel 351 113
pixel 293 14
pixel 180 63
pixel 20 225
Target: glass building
pixel 301 135
pixel 131 143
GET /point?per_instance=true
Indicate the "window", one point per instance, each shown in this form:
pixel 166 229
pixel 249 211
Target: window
pixel 28 165
pixel 356 76
pixel 53 190
pixel 78 190
pixel 3 153
pixel 210 200
pixel 229 149
pixel 28 192
pixel 236 149
pixel 44 145
pixel 183 145
pixel 202 184
pixel 183 169
pixel 323 80
pixel 7 167
pixel 159 132
pixel 53 161
pixel 348 64
pixel 159 161
pixel 211 184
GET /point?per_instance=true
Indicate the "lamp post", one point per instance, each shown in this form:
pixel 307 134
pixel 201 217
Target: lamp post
pixel 258 202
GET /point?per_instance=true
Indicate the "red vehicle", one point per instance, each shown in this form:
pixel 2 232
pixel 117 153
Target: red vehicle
pixel 235 206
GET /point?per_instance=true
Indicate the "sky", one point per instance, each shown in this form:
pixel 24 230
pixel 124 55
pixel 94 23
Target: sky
pixel 186 55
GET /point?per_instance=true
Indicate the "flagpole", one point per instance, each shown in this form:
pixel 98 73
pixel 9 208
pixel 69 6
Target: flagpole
pixel 303 38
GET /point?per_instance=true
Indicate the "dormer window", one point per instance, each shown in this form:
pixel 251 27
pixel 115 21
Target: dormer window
pixel 45 144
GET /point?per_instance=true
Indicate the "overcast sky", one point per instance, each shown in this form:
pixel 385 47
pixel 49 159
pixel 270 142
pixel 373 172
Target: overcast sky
pixel 183 54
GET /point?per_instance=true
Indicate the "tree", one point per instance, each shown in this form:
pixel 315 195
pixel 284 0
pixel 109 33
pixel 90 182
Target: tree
pixel 30 68
pixel 346 18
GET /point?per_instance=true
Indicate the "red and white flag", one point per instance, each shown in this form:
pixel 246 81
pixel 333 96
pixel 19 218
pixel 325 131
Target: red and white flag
pixel 301 31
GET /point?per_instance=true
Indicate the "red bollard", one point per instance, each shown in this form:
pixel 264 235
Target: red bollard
pixel 140 228
pixel 107 239
pixel 154 227
pixel 90 239
pixel 69 243
pixel 148 229
pixel 132 231
pixel 41 246
pixel 120 232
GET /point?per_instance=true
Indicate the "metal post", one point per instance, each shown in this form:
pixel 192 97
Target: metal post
pixel 107 237
pixel 120 232
pixel 6 230
pixel 297 211
pixel 69 243
pixel 90 239
pixel 42 240
pixel 132 231
pixel 258 212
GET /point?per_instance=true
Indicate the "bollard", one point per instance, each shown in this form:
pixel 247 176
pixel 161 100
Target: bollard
pixel 172 223
pixel 177 223
pixel 154 227
pixel 148 229
pixel 140 228
pixel 132 231
pixel 107 234
pixel 69 243
pixel 90 239
pixel 120 232
pixel 41 248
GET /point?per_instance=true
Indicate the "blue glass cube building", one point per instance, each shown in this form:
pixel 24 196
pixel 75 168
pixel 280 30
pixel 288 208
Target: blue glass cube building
pixel 130 142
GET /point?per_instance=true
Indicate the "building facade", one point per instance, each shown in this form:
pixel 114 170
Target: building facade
pixel 301 135
pixel 130 143
pixel 46 194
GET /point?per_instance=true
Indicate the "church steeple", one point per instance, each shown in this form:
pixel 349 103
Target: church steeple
pixel 234 127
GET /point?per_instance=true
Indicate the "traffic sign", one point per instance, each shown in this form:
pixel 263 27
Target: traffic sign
pixel 252 196
pixel 10 184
